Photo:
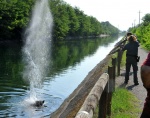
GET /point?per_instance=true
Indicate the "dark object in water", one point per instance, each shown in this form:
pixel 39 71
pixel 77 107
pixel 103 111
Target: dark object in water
pixel 38 103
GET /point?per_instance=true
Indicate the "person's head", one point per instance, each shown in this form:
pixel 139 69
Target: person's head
pixel 129 34
pixel 131 38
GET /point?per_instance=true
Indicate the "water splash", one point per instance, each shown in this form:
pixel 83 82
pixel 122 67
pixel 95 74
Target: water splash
pixel 37 46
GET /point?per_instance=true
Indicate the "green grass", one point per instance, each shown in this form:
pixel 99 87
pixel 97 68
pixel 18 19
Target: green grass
pixel 123 60
pixel 124 104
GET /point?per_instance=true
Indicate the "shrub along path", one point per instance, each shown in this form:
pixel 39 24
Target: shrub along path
pixel 139 91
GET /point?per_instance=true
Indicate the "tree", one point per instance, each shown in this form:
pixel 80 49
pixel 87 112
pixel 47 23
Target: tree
pixel 73 21
pixel 146 19
pixel 14 16
pixel 108 28
pixel 61 19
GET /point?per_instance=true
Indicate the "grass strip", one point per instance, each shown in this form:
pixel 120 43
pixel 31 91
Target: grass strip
pixel 124 104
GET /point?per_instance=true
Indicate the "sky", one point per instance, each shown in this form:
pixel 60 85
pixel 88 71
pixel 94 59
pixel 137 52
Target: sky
pixel 120 13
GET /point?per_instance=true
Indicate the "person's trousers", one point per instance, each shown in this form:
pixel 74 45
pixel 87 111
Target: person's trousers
pixel 135 69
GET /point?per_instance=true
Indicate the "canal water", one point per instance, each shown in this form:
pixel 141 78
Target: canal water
pixel 70 62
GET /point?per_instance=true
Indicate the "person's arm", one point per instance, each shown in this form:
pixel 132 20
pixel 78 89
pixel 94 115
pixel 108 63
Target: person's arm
pixel 138 43
pixel 145 72
pixel 124 48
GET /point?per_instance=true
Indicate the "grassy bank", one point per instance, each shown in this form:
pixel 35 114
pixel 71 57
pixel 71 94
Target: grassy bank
pixel 124 104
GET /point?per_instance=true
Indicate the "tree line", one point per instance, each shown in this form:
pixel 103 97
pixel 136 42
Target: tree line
pixel 142 31
pixel 68 21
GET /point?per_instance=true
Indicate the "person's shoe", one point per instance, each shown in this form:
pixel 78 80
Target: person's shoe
pixel 136 84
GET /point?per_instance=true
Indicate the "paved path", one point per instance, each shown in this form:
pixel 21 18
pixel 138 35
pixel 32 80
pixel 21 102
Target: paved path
pixel 139 91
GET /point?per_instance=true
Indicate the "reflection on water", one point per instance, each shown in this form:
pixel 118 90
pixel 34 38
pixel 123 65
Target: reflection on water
pixel 71 62
pixel 69 53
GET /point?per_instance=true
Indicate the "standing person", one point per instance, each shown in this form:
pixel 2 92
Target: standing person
pixel 145 76
pixel 131 57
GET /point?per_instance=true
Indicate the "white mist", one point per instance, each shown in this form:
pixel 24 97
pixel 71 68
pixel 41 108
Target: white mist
pixel 37 46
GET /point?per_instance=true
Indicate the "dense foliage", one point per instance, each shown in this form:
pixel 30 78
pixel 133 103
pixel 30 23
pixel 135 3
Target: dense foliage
pixel 68 21
pixel 14 16
pixel 142 31
pixel 108 28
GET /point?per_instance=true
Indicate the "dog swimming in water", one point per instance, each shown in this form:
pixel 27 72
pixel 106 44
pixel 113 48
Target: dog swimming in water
pixel 38 103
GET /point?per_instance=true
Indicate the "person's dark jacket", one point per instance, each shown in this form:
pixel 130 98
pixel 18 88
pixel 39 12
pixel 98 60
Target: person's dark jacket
pixel 132 48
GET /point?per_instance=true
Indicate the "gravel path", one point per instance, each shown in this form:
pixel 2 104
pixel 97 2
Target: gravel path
pixel 139 91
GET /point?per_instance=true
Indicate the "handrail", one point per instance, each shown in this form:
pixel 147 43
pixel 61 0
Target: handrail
pixel 93 98
pixel 100 94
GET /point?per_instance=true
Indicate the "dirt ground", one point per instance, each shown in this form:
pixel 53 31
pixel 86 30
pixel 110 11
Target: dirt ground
pixel 139 91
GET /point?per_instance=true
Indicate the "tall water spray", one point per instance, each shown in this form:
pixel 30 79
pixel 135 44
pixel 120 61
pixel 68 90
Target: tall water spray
pixel 37 46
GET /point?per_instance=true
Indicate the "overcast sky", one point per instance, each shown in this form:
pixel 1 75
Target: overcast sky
pixel 120 13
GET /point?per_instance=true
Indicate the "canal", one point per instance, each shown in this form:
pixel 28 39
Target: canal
pixel 70 62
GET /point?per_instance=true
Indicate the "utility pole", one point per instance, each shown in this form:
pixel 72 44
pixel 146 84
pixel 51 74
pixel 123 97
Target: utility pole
pixel 139 17
pixel 134 23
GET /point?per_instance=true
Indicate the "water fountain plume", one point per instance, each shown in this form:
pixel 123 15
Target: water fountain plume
pixel 37 45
